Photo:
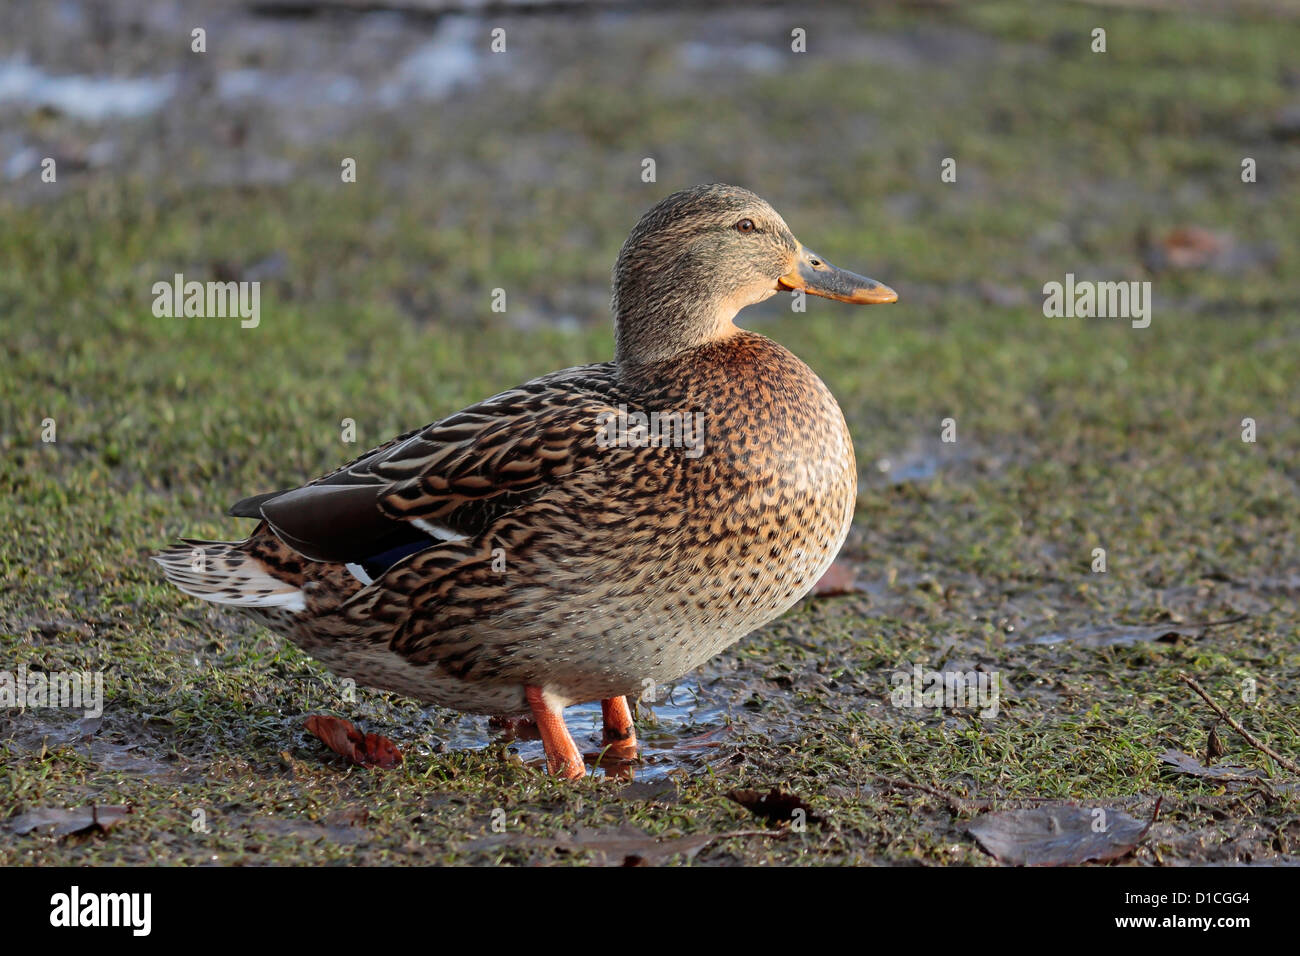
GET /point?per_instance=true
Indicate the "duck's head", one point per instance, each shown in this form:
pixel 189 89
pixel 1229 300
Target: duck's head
pixel 703 254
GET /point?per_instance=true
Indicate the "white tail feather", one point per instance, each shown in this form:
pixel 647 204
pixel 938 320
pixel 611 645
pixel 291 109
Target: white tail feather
pixel 220 572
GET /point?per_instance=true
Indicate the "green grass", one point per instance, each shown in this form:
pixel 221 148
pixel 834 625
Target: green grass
pixel 1073 435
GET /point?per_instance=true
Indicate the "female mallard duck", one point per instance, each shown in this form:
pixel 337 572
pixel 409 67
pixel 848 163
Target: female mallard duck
pixel 550 545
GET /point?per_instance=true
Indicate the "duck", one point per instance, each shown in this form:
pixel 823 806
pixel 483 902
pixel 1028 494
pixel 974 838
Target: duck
pixel 590 535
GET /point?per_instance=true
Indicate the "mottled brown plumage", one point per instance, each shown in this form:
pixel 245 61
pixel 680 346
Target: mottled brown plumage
pixel 527 542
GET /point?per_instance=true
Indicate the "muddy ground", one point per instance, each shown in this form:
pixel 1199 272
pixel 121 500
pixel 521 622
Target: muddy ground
pixel 523 170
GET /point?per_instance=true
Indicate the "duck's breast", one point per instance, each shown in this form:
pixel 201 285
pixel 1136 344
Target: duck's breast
pixel 765 497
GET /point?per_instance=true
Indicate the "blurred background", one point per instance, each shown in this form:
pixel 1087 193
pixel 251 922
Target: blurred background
pixel 523 170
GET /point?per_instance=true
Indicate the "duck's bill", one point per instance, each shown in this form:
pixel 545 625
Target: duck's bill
pixel 816 276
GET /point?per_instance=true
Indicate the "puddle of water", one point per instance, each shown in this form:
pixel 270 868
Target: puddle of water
pixel 450 60
pixel 750 57
pixel 922 461
pixel 1289 584
pixel 447 61
pixel 90 98
pixel 681 730
pixel 289 90
pixel 1112 636
pixel 909 468
pixel 34 730
pixel 676 732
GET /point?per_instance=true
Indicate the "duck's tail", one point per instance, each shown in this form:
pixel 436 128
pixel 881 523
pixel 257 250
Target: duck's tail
pixel 226 573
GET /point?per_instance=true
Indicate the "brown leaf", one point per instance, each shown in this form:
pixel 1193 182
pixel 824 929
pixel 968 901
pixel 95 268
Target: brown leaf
pixel 339 735
pixel 381 752
pixel 1214 748
pixel 775 805
pixel 1058 835
pixel 1192 247
pixel 76 820
pixel 1195 247
pixel 840 578
pixel 343 737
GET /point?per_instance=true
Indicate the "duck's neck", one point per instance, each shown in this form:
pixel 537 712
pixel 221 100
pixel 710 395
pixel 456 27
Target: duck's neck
pixel 643 336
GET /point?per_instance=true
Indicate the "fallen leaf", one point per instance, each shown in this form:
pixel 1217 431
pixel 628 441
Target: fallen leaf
pixel 1188 764
pixel 775 805
pixel 1192 247
pixel 343 737
pixel 840 578
pixel 381 752
pixel 65 822
pixel 1195 247
pixel 1214 748
pixel 1058 835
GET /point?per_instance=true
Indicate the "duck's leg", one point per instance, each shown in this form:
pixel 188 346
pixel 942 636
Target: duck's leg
pixel 619 734
pixel 562 755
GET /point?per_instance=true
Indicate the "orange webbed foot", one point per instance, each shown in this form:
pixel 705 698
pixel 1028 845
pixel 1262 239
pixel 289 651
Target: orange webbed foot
pixel 619 736
pixel 562 755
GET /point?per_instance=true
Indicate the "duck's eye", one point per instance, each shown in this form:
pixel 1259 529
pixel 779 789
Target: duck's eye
pixel 745 225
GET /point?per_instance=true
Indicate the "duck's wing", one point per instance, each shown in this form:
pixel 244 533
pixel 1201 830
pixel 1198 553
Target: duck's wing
pixel 451 479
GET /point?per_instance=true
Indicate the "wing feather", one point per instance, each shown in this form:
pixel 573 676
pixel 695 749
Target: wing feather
pixel 455 476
